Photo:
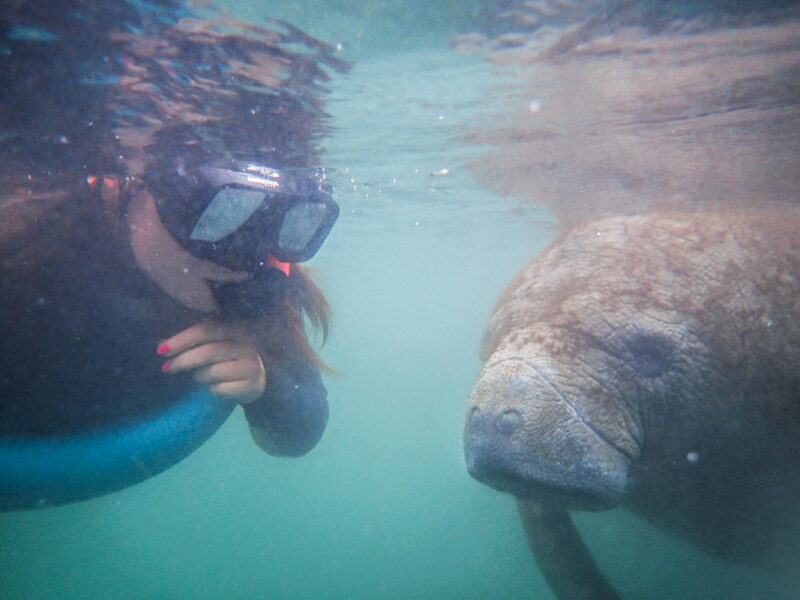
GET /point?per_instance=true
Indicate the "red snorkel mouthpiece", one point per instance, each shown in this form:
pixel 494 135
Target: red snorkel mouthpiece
pixel 274 263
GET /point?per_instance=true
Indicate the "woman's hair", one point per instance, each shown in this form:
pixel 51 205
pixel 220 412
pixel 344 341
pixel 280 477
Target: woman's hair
pixel 310 306
pixel 108 87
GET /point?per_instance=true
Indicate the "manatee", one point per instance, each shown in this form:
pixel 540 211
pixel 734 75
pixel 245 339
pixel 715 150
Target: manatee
pixel 650 362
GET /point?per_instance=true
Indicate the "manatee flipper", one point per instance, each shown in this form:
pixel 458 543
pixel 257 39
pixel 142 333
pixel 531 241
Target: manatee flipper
pixel 560 553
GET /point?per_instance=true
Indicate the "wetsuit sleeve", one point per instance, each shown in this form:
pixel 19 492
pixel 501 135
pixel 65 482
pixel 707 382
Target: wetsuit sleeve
pixel 291 416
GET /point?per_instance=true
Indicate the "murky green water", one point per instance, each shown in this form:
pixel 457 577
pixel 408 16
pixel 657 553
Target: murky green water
pixel 383 507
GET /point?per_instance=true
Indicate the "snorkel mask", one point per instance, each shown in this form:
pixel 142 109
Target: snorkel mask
pixel 246 217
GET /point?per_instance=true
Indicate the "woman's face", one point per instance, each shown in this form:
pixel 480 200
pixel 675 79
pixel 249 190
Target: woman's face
pixel 183 276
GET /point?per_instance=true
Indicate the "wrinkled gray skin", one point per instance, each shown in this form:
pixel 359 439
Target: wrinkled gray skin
pixel 651 362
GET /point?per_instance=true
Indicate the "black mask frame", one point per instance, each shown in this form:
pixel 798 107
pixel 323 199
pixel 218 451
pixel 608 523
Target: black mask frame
pixel 238 214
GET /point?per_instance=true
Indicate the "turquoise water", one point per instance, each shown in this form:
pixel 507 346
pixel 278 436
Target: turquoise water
pixel 383 507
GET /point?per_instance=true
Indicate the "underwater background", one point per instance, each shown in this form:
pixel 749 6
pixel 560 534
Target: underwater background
pixel 383 507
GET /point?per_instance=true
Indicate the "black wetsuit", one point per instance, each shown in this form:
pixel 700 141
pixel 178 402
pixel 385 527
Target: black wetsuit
pixel 80 323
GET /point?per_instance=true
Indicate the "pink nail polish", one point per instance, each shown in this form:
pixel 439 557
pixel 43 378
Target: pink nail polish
pixel 166 367
pixel 163 349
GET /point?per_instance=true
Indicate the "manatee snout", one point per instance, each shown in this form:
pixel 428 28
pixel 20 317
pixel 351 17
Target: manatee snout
pixel 522 436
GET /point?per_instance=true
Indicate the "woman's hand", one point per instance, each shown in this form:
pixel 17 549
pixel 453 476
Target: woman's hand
pixel 220 355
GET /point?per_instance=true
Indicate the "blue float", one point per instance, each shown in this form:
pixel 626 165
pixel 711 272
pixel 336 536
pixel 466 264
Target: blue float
pixel 36 473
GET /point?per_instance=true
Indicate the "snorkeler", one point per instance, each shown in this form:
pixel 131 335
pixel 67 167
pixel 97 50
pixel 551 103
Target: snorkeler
pixel 193 265
pixel 222 240
pixel 155 204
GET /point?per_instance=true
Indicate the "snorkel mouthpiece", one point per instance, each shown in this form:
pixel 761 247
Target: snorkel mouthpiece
pixel 262 294
pixel 284 267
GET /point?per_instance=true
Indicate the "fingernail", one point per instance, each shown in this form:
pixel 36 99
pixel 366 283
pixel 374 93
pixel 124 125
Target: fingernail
pixel 163 349
pixel 166 367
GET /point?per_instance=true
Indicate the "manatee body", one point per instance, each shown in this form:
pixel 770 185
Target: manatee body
pixel 651 362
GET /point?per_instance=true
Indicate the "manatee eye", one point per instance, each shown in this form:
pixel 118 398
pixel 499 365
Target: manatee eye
pixel 650 354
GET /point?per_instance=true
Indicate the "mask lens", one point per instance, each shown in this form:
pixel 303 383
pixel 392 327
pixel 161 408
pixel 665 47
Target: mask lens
pixel 300 225
pixel 229 209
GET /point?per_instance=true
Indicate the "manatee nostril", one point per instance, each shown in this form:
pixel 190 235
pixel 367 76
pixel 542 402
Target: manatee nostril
pixel 508 422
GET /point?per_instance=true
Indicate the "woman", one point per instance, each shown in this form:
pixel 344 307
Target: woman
pixel 148 243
